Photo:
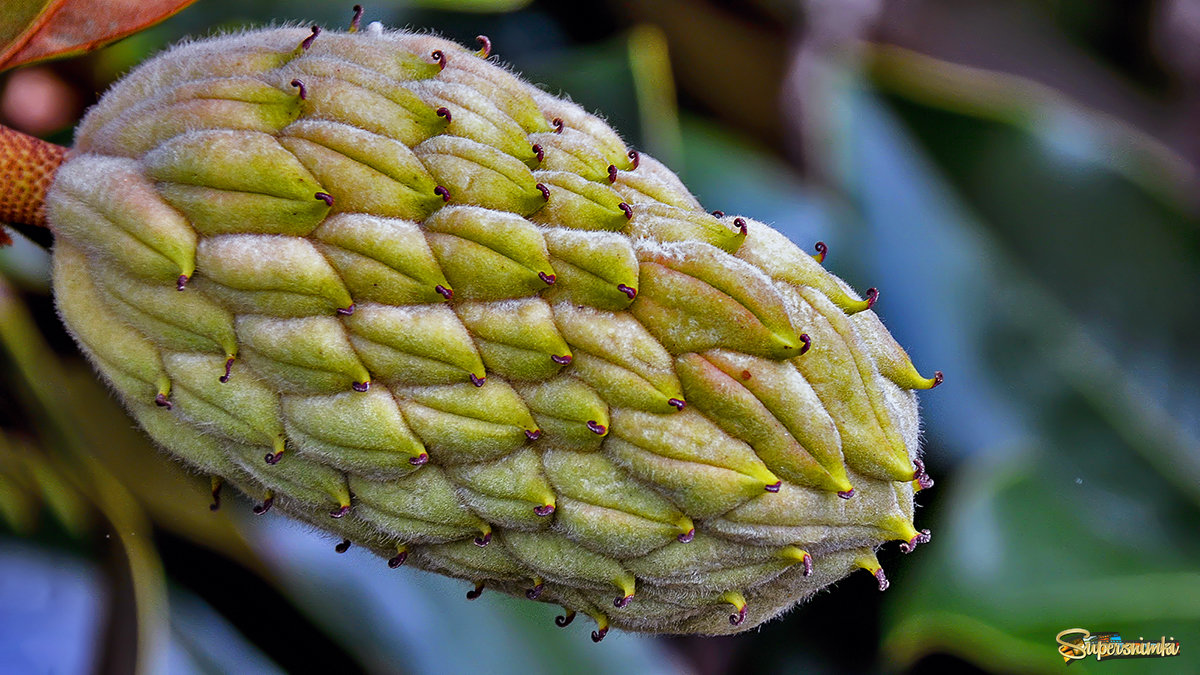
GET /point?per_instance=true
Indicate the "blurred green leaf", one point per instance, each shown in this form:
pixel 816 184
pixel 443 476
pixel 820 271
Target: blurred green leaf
pixel 18 499
pixel 1082 512
pixel 658 114
pixel 30 480
pixel 1037 110
pixel 24 263
pixel 202 641
pixel 996 590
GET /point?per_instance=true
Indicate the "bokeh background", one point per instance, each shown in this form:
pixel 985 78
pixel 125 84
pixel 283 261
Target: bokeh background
pixel 1017 177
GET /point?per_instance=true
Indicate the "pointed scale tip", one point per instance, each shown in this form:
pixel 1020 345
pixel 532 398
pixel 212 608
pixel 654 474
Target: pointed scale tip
pixel 596 428
pixel 773 487
pixel 484 539
pixel 439 56
pixel 839 485
pixel 265 506
pixel 867 561
pixel 356 22
pixel 882 579
pixel 687 537
pixel 543 510
pixel 533 434
pixel 444 292
pixel 181 282
pixel 909 378
pixel 598 635
pixel 536 591
pixel 822 251
pixel 361 386
pixel 794 555
pixel 398 559
pixel 162 402
pixel 807 344
pixel 474 593
pixel 798 555
pixel 228 369
pixel 340 511
pixel 485 46
pixel 273 458
pixel 921 479
pixel 564 621
pixel 872 297
pixel 216 494
pixel 921 537
pixel 476 380
pixel 419 460
pixel 343 546
pixel 622 601
pixel 922 483
pixel 738 601
pixel 307 42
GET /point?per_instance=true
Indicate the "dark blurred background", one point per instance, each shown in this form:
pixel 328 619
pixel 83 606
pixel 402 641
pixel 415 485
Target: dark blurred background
pixel 1019 178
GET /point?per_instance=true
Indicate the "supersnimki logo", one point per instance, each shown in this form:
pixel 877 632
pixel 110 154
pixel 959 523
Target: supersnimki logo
pixel 1075 644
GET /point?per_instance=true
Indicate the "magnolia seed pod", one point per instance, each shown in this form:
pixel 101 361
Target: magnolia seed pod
pixel 378 281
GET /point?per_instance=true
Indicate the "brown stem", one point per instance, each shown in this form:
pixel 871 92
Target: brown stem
pixel 27 166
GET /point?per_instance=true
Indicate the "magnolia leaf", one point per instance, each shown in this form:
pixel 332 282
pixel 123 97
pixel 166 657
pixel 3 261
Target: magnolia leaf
pixel 36 31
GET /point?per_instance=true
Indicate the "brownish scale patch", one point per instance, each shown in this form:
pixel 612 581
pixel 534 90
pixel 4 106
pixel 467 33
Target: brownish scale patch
pixel 27 167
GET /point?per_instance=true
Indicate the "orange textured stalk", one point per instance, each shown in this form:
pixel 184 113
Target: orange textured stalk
pixel 27 166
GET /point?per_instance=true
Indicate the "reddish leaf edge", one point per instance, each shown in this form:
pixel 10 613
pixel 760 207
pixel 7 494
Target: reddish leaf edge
pixel 23 50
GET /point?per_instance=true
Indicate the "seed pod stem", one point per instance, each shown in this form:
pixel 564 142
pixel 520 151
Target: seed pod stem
pixel 27 167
